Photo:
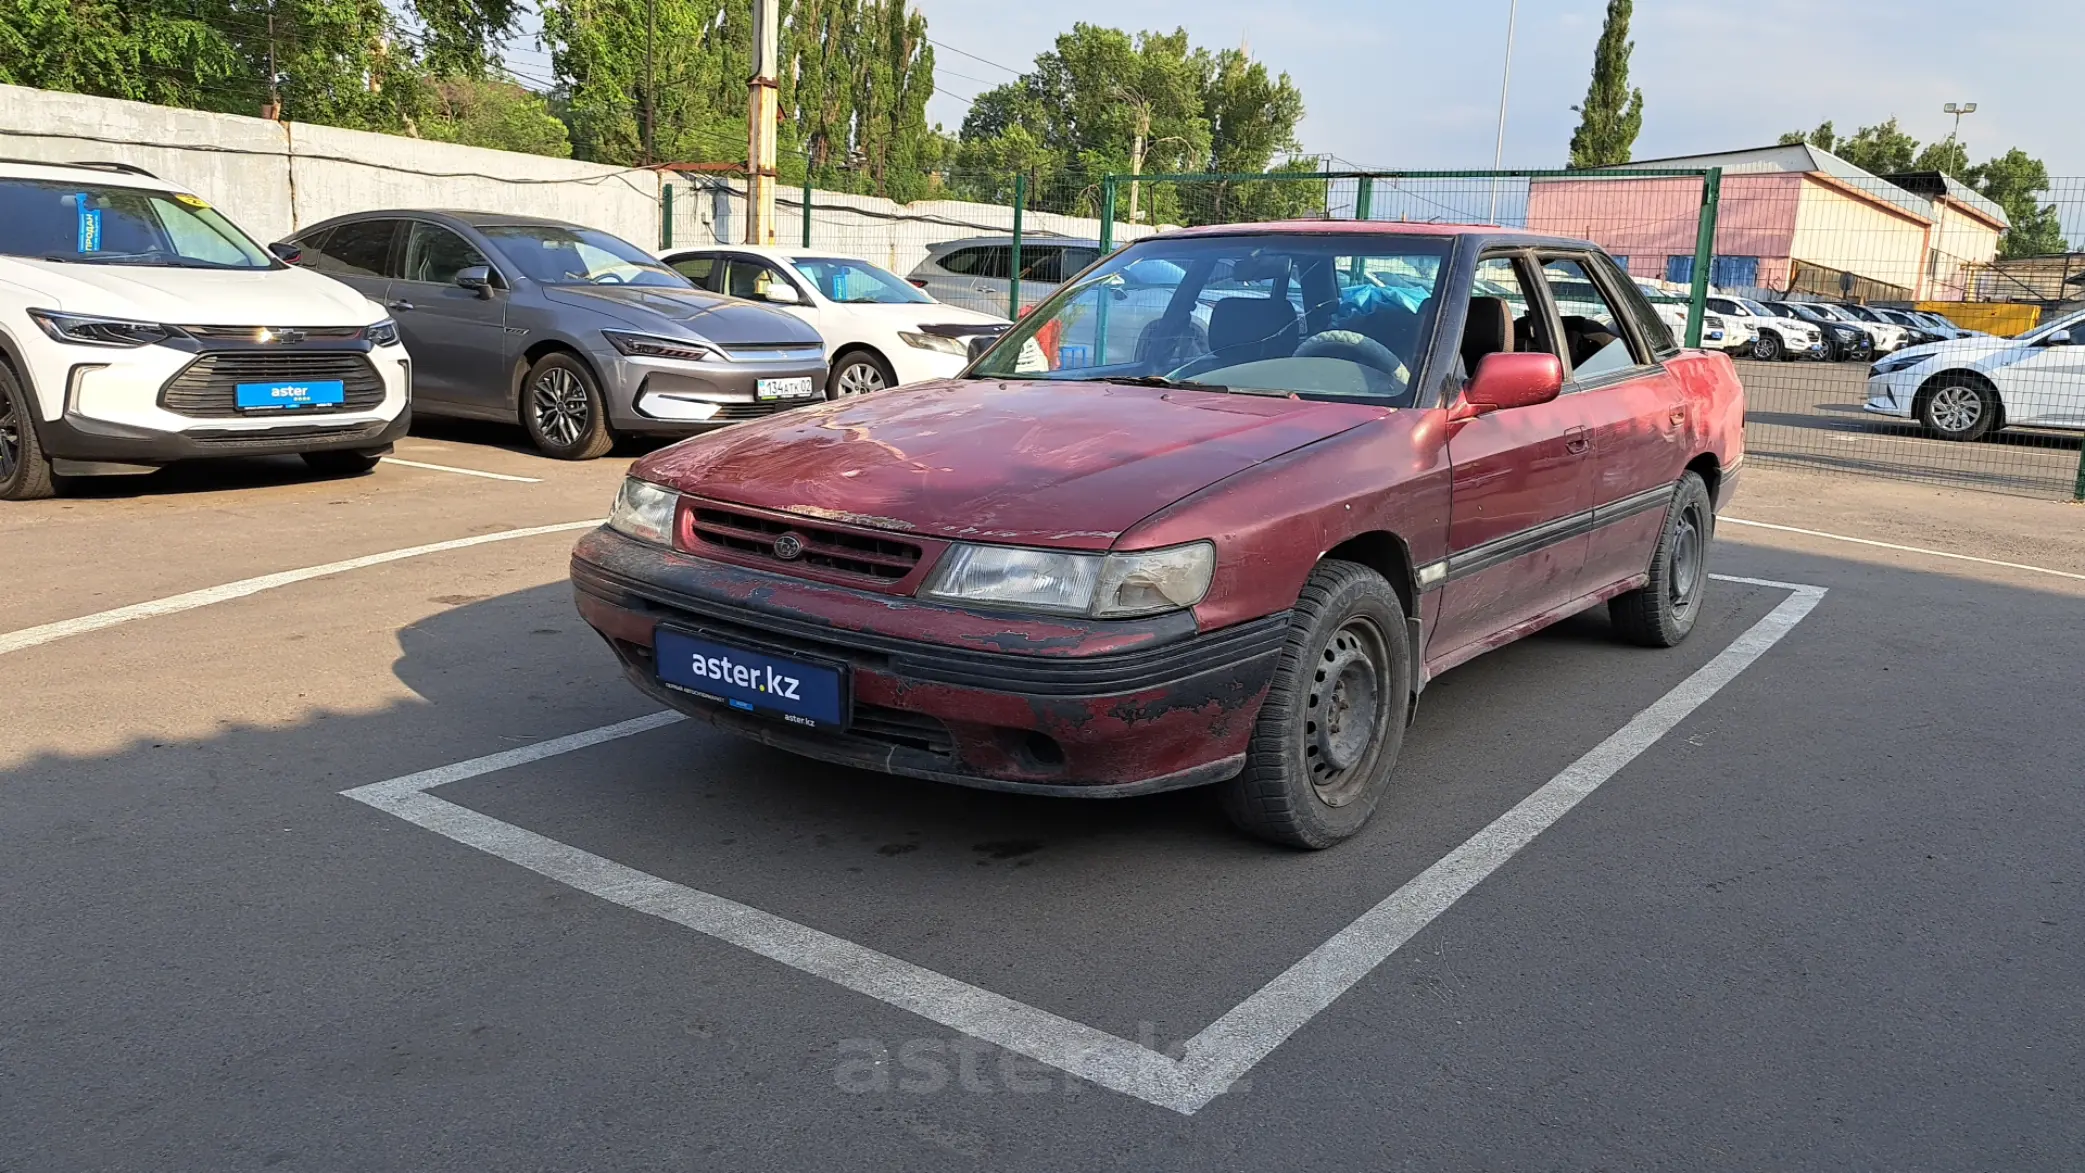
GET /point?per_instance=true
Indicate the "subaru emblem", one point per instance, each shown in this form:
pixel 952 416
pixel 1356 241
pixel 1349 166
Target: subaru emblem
pixel 789 547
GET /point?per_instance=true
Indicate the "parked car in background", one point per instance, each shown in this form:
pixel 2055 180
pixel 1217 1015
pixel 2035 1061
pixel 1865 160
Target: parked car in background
pixel 879 329
pixel 1890 336
pixel 1774 336
pixel 1232 559
pixel 1916 331
pixel 977 272
pixel 139 327
pixel 575 334
pixel 1939 326
pixel 1969 388
pixel 1844 341
pixel 1719 331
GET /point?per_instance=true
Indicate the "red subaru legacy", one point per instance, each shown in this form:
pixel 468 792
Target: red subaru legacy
pixel 1213 514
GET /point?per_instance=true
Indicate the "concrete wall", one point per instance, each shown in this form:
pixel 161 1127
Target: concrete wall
pixel 274 178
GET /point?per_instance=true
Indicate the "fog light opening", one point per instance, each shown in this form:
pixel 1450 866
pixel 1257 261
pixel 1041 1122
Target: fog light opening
pixel 1040 751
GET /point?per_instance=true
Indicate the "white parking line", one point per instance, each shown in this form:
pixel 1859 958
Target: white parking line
pixel 1215 1058
pixel 1813 533
pixel 468 472
pixel 29 637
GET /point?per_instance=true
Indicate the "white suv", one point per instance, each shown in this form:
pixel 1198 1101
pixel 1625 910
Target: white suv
pixel 139 327
pixel 976 273
pixel 1773 337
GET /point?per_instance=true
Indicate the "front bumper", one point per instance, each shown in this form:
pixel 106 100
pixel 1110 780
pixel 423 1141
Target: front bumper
pixel 650 396
pixel 1893 394
pixel 1030 704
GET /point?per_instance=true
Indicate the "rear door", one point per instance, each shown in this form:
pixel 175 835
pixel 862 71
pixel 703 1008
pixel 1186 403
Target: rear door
pixel 1633 407
pixel 358 254
pixel 457 336
pixel 1520 497
pixel 706 270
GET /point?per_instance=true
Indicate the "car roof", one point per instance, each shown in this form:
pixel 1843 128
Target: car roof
pixel 462 216
pixel 89 170
pixel 1027 238
pixel 1487 234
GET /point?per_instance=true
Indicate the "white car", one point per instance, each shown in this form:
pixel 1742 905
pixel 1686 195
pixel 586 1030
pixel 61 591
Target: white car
pixel 1883 337
pixel 138 327
pixel 1773 337
pixel 977 272
pixel 1970 387
pixel 879 330
pixel 1718 331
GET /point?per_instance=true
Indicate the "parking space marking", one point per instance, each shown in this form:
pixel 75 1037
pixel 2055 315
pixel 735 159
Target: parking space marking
pixel 467 472
pixel 1217 1056
pixel 29 637
pixel 1814 533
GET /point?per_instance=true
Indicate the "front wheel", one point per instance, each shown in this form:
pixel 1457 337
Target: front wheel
pixel 25 473
pixel 859 373
pixel 1960 410
pixel 1329 732
pixel 1766 348
pixel 1663 610
pixel 562 409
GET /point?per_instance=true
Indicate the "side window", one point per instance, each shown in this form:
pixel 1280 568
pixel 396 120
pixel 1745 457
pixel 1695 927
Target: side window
pixel 1653 328
pixel 1502 317
pixel 311 246
pixel 750 279
pixel 970 262
pixel 1041 264
pixel 361 249
pixel 435 255
pixel 1594 340
pixel 700 270
pixel 1725 306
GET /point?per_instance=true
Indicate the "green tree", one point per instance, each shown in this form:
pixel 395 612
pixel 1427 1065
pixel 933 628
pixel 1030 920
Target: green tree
pixel 1879 150
pixel 2013 181
pixel 478 112
pixel 1612 114
pixel 162 51
pixel 1822 138
pixel 462 37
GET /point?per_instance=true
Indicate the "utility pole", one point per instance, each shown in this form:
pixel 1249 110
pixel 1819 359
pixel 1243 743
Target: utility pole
pixel 760 123
pixel 1136 155
pixel 1498 152
pixel 651 109
pixel 274 111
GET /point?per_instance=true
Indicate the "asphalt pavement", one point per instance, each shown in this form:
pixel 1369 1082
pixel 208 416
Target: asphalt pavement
pixel 1833 918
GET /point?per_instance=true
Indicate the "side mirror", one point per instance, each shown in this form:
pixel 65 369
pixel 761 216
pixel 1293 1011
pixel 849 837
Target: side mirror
pixel 783 293
pixel 1506 380
pixel 287 253
pixel 2059 338
pixel 978 344
pixel 476 277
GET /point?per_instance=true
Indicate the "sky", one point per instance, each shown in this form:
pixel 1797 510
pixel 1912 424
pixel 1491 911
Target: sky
pixel 1413 84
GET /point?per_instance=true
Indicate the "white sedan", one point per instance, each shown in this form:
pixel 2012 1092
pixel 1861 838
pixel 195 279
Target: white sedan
pixel 1971 387
pixel 879 330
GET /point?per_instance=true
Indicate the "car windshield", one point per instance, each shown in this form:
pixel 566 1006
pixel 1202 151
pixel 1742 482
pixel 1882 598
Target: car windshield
pixel 1754 308
pixel 558 255
pixel 1320 316
pixel 104 224
pixel 852 282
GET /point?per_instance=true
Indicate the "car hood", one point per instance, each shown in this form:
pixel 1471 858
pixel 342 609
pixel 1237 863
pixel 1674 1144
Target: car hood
pixel 726 320
pixel 192 297
pixel 1958 349
pixel 909 315
pixel 1058 464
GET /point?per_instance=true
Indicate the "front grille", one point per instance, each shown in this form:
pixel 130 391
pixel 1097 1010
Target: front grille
pixel 209 385
pixel 251 333
pixel 229 439
pixel 907 730
pixel 882 559
pixel 738 412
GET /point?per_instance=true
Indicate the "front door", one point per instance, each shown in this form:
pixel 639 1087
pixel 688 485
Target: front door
pixel 457 336
pixel 1520 493
pixel 2048 385
pixel 1633 410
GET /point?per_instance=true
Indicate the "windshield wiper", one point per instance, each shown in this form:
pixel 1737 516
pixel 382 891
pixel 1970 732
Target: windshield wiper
pixel 111 259
pixel 1160 381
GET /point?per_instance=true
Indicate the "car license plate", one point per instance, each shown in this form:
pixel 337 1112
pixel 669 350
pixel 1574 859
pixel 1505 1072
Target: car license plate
pixel 288 396
pixel 800 387
pixel 813 695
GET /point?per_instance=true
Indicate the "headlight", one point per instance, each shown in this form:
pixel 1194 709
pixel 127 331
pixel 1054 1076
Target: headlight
pixel 644 511
pixel 384 333
pixel 82 330
pixel 653 346
pixel 1890 366
pixel 936 342
pixel 1105 586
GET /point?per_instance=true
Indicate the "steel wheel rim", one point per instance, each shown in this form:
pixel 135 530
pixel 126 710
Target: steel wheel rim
pixel 1957 409
pixel 1689 556
pixel 1767 343
pixel 10 438
pixel 560 406
pixel 860 378
pixel 1345 713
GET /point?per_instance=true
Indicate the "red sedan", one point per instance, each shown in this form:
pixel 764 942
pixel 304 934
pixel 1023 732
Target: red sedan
pixel 1213 514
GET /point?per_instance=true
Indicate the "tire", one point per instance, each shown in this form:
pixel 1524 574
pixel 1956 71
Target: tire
pixel 1767 347
pixel 338 462
pixel 1960 409
pixel 562 409
pixel 858 373
pixel 25 472
pixel 1309 782
pixel 1663 610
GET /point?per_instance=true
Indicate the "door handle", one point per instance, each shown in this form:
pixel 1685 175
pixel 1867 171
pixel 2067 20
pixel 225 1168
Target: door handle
pixel 1576 440
pixel 398 305
pixel 1679 415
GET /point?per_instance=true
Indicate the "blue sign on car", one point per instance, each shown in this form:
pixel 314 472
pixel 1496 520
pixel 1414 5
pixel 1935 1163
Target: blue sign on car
pixel 284 396
pixel 813 695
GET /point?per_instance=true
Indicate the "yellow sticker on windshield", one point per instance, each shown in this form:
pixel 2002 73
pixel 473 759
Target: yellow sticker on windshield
pixel 191 201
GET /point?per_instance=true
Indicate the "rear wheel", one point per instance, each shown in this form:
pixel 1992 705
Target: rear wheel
pixel 1766 347
pixel 562 408
pixel 859 373
pixel 338 462
pixel 1328 735
pixel 1663 611
pixel 25 473
pixel 1959 409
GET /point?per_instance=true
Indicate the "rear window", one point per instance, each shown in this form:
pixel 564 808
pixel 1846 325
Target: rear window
pixel 361 249
pixel 979 262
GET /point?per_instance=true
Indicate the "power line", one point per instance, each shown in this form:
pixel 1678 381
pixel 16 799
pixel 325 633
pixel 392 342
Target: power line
pixel 972 56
